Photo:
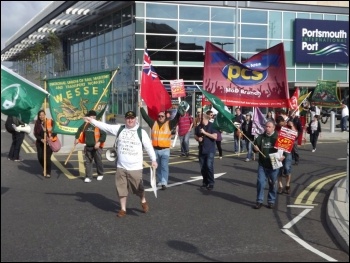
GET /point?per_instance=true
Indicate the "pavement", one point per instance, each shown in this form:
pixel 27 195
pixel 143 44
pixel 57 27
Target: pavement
pixel 338 201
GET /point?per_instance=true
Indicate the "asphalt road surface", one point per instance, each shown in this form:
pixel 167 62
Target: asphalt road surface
pixel 64 219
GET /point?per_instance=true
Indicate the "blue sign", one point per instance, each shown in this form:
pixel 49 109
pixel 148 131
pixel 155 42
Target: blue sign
pixel 321 41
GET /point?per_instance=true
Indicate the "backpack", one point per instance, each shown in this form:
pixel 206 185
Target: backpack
pixel 8 124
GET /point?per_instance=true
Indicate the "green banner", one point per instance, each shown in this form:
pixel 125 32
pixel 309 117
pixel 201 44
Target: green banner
pixel 19 96
pixel 326 94
pixel 71 98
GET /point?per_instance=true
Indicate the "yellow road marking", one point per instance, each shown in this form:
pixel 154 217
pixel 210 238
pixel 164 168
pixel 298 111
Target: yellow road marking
pixel 27 148
pixel 308 189
pixel 62 168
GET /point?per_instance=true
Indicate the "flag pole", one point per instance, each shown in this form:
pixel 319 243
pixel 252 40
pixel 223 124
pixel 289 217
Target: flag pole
pixel 94 108
pixel 45 136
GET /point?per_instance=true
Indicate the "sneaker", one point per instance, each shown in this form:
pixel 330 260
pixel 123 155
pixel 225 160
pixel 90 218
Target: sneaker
pixel 99 178
pixel 163 187
pixel 258 205
pixel 271 205
pixel 145 207
pixel 203 186
pixel 287 190
pixel 87 180
pixel 313 150
pixel 9 159
pixel 280 190
pixel 18 160
pixel 210 187
pixel 121 213
pixel 220 157
pixel 247 160
pixel 48 176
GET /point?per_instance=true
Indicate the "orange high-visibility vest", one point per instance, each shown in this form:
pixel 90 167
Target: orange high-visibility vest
pixel 97 137
pixel 49 129
pixel 161 137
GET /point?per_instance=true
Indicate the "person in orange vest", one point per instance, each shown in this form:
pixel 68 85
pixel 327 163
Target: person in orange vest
pixel 42 124
pixel 94 139
pixel 161 141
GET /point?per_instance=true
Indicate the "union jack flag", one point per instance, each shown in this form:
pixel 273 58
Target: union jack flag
pixel 148 69
pixel 153 91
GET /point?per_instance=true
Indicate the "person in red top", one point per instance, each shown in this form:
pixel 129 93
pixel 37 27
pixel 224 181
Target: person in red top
pixel 183 129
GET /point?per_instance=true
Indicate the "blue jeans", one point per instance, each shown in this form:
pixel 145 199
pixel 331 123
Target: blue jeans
pixel 185 143
pixel 206 162
pixel 270 175
pixel 236 142
pixel 163 165
pixel 344 123
pixel 249 150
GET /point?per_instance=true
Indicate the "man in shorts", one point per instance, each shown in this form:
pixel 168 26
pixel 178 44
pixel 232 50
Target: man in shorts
pixel 128 177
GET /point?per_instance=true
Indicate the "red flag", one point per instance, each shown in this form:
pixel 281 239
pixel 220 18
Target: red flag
pixel 152 90
pixel 293 101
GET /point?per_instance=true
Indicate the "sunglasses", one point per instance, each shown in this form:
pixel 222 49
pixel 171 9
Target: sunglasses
pixel 161 116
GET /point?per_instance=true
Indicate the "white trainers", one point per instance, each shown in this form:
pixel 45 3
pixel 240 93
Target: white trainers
pixel 247 160
pixel 87 180
pixel 99 178
pixel 313 150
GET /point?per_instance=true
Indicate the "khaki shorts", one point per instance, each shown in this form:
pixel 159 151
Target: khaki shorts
pixel 129 182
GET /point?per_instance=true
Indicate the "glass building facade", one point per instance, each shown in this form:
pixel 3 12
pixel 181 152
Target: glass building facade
pixel 175 36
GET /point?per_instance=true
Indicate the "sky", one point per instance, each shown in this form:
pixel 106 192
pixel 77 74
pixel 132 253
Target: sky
pixel 15 14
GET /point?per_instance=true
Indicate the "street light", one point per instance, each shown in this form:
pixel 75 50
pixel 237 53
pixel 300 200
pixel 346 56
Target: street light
pixel 222 44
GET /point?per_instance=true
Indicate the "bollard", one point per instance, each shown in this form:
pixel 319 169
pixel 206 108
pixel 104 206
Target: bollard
pixel 332 122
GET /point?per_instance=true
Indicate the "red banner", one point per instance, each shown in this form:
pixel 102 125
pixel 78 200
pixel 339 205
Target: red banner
pixel 260 81
pixel 153 91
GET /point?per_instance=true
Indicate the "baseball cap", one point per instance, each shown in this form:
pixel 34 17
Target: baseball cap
pixel 130 114
pixel 91 113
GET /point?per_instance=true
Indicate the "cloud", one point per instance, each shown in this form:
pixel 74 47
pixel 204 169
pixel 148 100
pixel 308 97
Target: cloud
pixel 15 14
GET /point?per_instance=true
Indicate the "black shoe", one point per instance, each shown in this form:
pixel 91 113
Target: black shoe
pixel 271 205
pixel 203 186
pixel 210 187
pixel 258 205
pixel 182 155
pixel 163 187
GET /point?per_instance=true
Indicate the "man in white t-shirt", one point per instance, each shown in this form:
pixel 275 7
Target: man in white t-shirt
pixel 128 177
pixel 344 118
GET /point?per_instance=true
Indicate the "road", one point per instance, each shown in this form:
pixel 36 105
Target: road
pixel 65 219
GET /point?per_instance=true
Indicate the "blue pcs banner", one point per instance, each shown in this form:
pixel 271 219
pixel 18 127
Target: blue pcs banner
pixel 321 41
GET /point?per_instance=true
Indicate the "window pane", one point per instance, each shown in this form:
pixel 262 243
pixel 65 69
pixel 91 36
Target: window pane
pixel 194 13
pixel 252 45
pixel 192 56
pixel 163 56
pixel 194 28
pixel 161 42
pixel 166 73
pixel 275 25
pixel 227 44
pixel 223 14
pixel 161 27
pixel 254 31
pixel 254 16
pixel 190 73
pixel 288 25
pixel 221 29
pixel 161 11
pixel 192 43
pixel 307 75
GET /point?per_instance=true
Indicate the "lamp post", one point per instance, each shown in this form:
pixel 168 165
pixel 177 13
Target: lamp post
pixel 222 44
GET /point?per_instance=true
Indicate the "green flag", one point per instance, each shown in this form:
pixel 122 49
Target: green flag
pixel 223 120
pixel 72 97
pixel 19 96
